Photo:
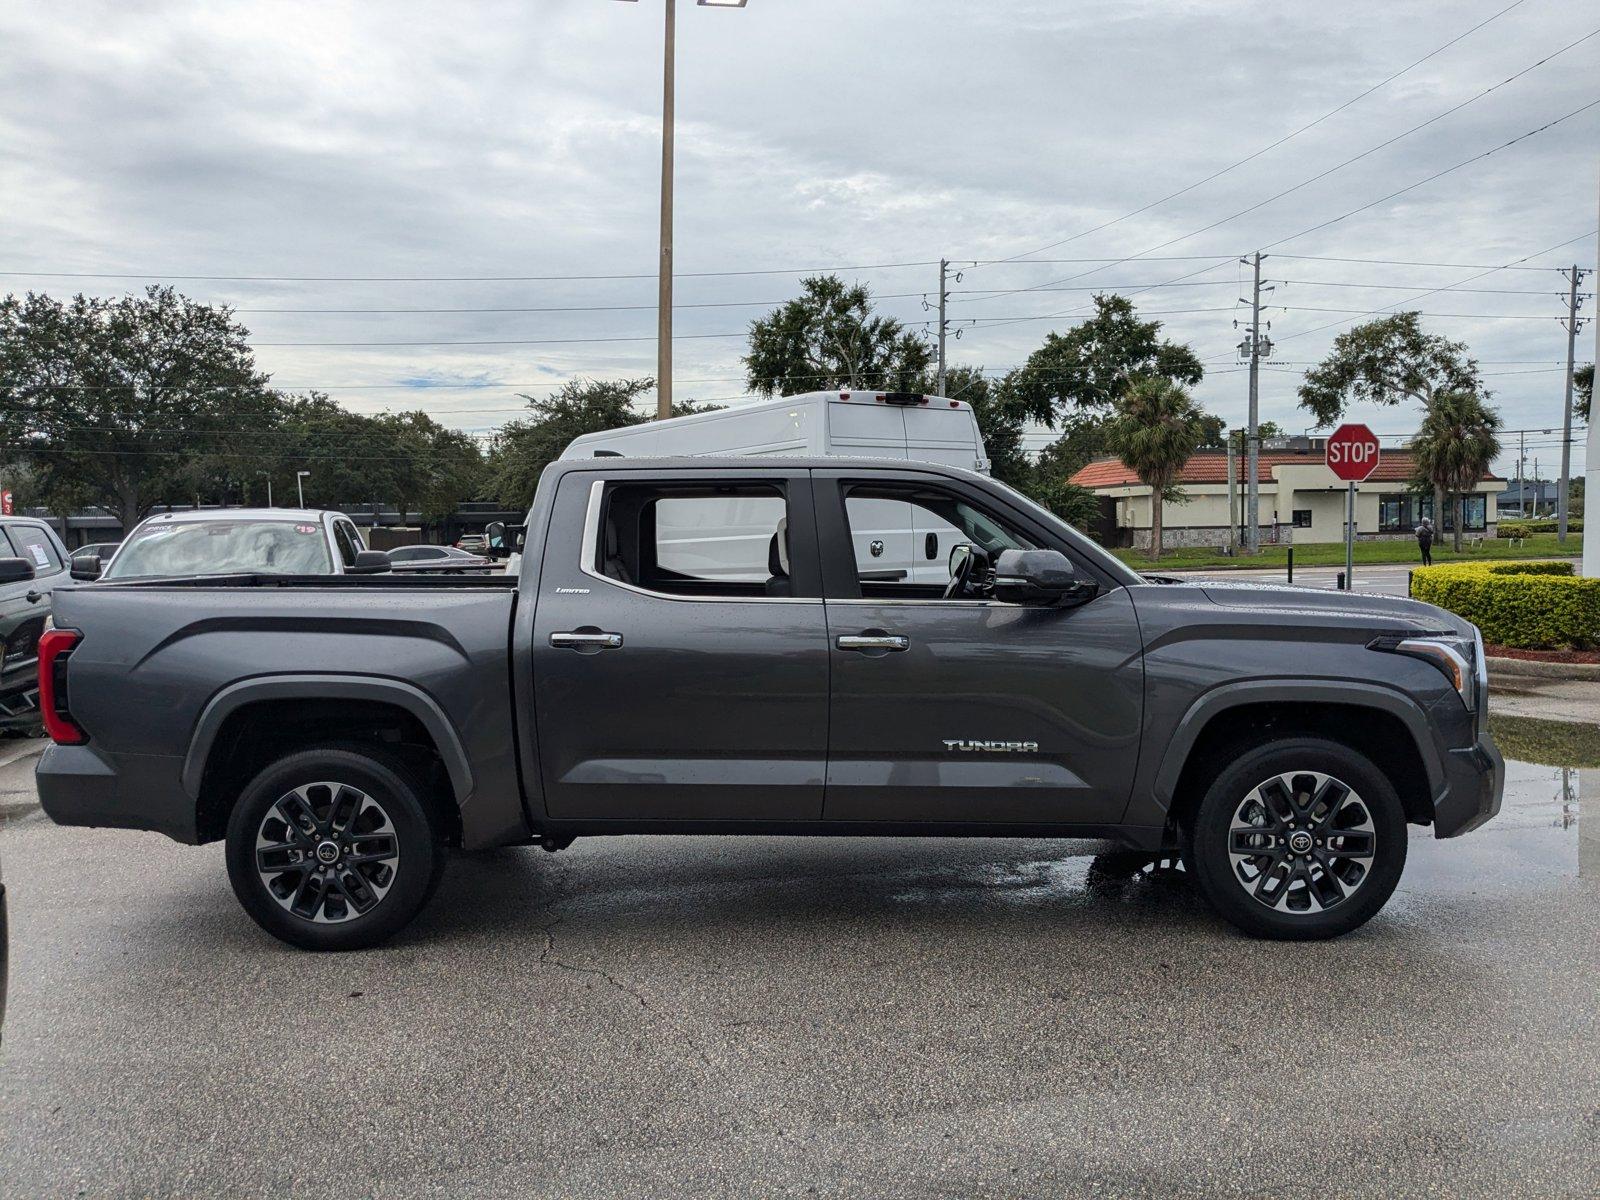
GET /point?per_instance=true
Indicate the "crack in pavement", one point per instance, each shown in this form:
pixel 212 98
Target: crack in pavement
pixel 548 957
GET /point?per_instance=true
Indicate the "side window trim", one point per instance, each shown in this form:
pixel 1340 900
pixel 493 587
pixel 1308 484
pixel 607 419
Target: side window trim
pixel 589 547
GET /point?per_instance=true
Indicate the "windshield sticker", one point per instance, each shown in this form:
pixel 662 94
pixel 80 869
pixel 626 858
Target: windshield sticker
pixel 305 528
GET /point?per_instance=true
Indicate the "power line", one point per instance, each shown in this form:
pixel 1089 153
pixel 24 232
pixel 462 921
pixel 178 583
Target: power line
pixel 454 278
pixel 1515 264
pixel 499 341
pixel 1331 221
pixel 1272 146
pixel 1401 262
pixel 1466 162
pixel 551 309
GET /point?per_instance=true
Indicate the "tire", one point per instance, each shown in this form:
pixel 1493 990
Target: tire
pixel 1299 839
pixel 362 859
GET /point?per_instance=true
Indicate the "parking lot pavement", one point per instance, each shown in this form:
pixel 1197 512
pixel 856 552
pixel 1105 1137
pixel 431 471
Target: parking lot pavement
pixel 762 1016
pixel 1384 579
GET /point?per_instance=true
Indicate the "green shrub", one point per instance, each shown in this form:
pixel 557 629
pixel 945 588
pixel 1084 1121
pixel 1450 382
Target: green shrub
pixel 1526 528
pixel 1529 605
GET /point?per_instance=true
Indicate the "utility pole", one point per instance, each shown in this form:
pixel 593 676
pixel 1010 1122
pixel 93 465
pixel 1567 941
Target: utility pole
pixel 944 268
pixel 1255 347
pixel 664 296
pixel 1522 481
pixel 1233 501
pixel 1573 324
pixel 1591 465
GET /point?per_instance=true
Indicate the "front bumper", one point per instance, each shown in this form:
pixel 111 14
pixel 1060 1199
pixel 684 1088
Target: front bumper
pixel 1474 780
pixel 80 785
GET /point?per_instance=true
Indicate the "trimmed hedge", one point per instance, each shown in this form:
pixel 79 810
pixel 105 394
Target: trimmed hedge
pixel 1529 605
pixel 1512 527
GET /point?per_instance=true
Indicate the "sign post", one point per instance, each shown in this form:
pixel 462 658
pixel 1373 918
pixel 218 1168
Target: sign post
pixel 1352 455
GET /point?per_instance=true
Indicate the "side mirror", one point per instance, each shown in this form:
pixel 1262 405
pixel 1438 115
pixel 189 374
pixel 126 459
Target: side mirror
pixel 1042 577
pixel 86 567
pixel 494 537
pixel 15 570
pixel 369 562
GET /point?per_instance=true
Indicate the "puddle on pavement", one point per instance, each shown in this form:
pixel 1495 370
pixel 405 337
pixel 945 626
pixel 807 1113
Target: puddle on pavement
pixel 1548 764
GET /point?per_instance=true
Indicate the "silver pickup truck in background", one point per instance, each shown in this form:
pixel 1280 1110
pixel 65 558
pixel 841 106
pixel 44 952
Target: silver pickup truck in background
pixel 706 645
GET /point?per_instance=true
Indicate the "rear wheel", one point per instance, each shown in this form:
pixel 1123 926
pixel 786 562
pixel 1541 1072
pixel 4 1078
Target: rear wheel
pixel 333 848
pixel 1301 838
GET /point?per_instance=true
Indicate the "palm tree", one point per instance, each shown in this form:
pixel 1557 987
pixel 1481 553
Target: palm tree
pixel 1455 445
pixel 1156 431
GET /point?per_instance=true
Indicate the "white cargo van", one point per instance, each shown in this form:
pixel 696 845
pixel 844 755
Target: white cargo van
pixel 894 539
pixel 859 424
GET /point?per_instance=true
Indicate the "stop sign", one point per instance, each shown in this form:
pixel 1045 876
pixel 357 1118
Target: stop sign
pixel 1352 452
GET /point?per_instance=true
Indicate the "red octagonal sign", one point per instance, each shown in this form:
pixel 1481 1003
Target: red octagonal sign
pixel 1352 452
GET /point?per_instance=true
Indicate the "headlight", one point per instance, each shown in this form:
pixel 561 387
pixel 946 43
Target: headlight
pixel 1458 657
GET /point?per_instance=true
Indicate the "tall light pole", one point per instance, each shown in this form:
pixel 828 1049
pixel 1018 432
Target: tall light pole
pixel 300 486
pixel 668 121
pixel 268 476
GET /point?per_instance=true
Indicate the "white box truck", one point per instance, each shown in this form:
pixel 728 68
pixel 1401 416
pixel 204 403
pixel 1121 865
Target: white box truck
pixel 895 539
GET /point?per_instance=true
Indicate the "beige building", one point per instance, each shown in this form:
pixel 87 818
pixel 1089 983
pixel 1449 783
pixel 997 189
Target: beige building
pixel 1300 500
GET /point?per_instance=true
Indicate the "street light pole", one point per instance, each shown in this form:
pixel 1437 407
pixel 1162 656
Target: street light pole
pixel 669 73
pixel 300 486
pixel 664 297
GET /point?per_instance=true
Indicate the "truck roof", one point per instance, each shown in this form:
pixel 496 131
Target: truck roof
pixel 241 514
pixel 748 462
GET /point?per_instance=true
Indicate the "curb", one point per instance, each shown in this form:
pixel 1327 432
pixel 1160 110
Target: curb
pixel 1521 668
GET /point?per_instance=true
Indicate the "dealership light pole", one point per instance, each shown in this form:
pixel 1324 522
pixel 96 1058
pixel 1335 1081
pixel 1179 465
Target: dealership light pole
pixel 668 120
pixel 300 486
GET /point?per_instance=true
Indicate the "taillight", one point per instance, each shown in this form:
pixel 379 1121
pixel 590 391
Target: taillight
pixel 55 646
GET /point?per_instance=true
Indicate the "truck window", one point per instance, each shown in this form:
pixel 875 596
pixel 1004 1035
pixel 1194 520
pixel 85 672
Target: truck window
pixel 33 544
pixel 222 547
pixel 696 540
pixel 349 542
pixel 902 536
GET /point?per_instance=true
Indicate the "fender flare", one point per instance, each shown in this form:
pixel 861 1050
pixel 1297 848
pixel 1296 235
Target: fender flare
pixel 397 692
pixel 1296 691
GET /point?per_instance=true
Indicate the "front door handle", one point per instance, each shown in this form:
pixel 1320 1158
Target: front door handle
pixel 583 640
pixel 873 641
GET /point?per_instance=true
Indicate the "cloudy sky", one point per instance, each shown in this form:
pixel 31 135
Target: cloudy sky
pixel 349 155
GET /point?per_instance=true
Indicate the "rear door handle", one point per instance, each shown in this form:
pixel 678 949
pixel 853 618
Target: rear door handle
pixel 587 641
pixel 866 641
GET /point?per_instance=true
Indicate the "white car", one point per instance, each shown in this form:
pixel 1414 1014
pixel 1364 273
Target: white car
pixel 233 541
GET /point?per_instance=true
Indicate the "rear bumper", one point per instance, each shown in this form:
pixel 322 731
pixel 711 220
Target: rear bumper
pixel 1474 780
pixel 80 785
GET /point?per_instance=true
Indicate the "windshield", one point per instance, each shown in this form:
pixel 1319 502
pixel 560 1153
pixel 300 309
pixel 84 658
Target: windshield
pixel 223 548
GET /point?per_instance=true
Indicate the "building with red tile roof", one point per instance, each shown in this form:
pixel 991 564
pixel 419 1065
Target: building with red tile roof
pixel 1301 499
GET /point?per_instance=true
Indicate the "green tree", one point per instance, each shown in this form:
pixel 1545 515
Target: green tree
pixel 827 339
pixel 1089 368
pixel 523 448
pixel 999 424
pixel 1454 447
pixel 1384 362
pixel 1583 391
pixel 432 468
pixel 1157 430
pixel 1050 484
pixel 134 401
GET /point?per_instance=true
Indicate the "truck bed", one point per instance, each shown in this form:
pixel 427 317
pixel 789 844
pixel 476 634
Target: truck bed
pixel 165 667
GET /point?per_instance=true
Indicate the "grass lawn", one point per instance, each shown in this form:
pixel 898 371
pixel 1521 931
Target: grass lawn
pixel 1331 554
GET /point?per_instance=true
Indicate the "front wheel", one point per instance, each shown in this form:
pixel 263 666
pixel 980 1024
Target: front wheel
pixel 1299 839
pixel 333 848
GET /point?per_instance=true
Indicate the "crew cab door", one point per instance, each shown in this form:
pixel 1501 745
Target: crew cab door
pixel 970 710
pixel 680 654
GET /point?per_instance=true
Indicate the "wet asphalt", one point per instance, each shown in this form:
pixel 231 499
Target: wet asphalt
pixel 764 1016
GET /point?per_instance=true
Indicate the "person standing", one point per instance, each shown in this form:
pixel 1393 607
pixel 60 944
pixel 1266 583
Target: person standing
pixel 1425 540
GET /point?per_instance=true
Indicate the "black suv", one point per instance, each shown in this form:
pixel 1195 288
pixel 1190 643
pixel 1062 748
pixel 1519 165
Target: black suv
pixel 32 562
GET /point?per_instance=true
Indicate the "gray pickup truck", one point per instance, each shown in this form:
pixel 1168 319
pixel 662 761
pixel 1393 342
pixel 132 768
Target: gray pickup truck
pixel 713 645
